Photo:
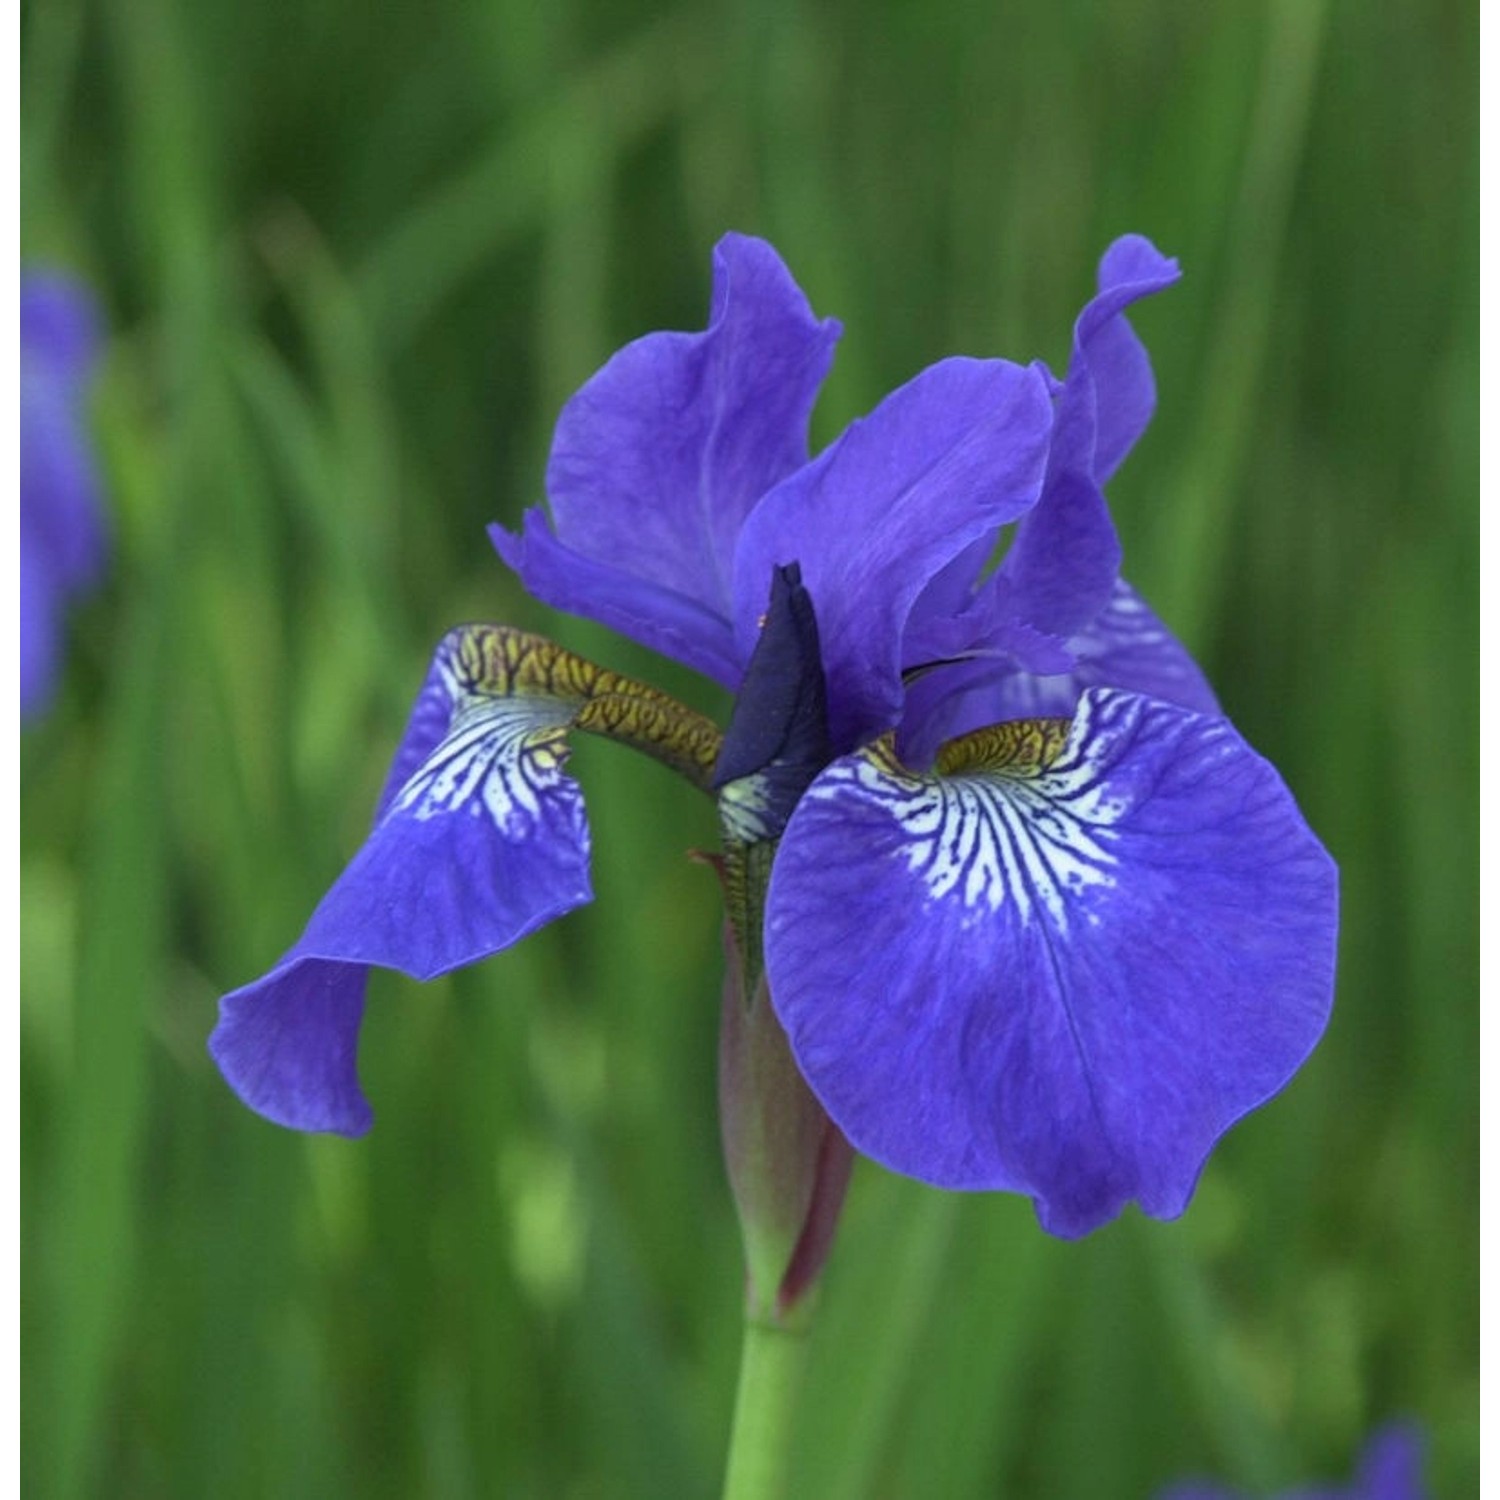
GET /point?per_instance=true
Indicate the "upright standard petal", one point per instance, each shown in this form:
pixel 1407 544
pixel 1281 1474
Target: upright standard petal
pixel 659 458
pixel 944 461
pixel 1063 964
pixel 1066 554
pixel 656 617
pixel 1119 368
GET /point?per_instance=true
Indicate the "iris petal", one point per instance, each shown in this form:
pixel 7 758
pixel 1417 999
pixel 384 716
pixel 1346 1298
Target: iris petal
pixel 970 692
pixel 1066 553
pixel 287 1045
pixel 660 618
pixel 1126 646
pixel 939 464
pixel 1119 367
pixel 482 842
pixel 1065 969
pixel 658 459
pixel 486 842
pixel 949 592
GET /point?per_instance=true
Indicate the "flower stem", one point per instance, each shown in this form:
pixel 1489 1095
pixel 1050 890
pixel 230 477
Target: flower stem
pixel 770 1375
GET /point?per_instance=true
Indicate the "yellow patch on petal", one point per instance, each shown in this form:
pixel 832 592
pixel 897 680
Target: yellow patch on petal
pixel 495 661
pixel 1022 747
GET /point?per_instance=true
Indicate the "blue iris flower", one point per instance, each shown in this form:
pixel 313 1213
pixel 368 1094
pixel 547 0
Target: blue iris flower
pixel 1389 1469
pixel 63 537
pixel 1041 921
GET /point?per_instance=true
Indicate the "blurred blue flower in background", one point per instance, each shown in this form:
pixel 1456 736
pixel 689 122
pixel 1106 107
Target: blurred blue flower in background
pixel 63 534
pixel 1043 923
pixel 1389 1469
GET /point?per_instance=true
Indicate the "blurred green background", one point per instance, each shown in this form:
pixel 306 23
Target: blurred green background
pixel 353 257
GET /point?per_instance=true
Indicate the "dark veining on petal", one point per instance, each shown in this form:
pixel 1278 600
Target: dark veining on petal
pixel 1022 747
pixel 497 661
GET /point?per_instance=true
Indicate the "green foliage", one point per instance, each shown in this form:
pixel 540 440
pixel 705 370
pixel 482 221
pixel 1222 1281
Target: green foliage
pixel 353 259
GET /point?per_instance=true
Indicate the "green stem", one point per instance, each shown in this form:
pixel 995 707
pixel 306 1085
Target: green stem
pixel 760 1444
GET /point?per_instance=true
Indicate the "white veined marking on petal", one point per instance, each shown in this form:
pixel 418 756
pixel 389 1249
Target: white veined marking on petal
pixel 1038 841
pixel 485 763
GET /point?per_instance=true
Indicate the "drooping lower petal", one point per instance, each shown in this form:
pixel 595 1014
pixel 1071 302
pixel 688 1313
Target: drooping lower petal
pixel 287 1045
pixel 485 843
pixel 1063 964
pixel 940 464
pixel 485 839
pixel 481 842
pixel 479 839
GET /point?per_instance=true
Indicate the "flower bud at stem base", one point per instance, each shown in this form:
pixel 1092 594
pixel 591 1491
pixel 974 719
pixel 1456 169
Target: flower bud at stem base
pixel 788 1164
